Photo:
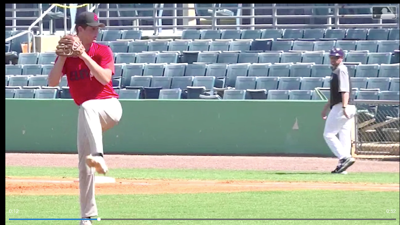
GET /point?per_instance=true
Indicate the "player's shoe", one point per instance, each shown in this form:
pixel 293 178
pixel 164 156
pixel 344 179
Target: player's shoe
pixel 343 165
pixel 85 222
pixel 98 163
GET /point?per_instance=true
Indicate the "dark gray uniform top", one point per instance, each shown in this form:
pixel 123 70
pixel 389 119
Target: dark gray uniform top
pixel 340 82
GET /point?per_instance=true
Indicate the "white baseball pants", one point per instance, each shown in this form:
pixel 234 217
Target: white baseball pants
pixel 337 123
pixel 95 117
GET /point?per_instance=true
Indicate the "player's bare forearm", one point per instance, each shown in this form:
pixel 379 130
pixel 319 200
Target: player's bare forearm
pixel 326 106
pixel 55 74
pixel 101 74
pixel 345 98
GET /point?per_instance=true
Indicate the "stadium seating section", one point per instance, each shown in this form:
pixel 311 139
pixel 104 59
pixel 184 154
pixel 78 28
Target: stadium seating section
pixel 248 64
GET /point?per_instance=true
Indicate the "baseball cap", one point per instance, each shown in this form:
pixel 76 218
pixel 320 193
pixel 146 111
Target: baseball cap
pixel 89 19
pixel 336 52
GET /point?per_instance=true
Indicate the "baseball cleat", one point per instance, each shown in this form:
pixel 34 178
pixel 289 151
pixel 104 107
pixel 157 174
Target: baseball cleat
pixel 98 163
pixel 344 164
pixel 85 222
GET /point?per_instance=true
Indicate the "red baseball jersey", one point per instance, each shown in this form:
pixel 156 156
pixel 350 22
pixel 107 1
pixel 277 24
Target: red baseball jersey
pixel 82 84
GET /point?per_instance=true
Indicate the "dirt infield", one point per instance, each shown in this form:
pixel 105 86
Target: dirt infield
pixel 36 186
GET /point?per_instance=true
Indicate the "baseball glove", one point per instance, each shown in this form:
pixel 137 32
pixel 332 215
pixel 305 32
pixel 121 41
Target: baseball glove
pixel 70 45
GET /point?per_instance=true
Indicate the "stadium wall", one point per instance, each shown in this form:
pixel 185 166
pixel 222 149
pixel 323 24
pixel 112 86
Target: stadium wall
pixel 183 127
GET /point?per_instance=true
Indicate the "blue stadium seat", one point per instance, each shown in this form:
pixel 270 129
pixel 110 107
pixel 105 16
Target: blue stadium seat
pixel 370 46
pixel 388 45
pixel 10 93
pixel 239 45
pixel 360 34
pixel 303 45
pixel 129 93
pixel 140 81
pixel 389 95
pixel 278 95
pixel 230 34
pixel 106 43
pixel 151 92
pixel 179 45
pixel 313 57
pixel 228 57
pixel 327 82
pixel 379 58
pixel 261 45
pixel 382 83
pixel 327 60
pixel 321 70
pixel 218 70
pixel 367 95
pixel 220 45
pixel 346 45
pixel 389 70
pixel 315 94
pixel 394 34
pixel 324 45
pixel 394 84
pixel 207 57
pixel 351 70
pixel 158 46
pixel 267 83
pixel 291 57
pixel 46 58
pixel 234 94
pixel 119 46
pixel 378 34
pixel 243 83
pixel 50 93
pixel 199 45
pixel 15 44
pixel 7 79
pixel 28 58
pixel 289 83
pixel 250 34
pixel 310 83
pixel 300 70
pixel 358 82
pixel 38 80
pixel 146 57
pixel 63 82
pixel 282 46
pixel 357 56
pixel 175 70
pixel 31 69
pixel 210 34
pixel 269 57
pixel 367 70
pixel 315 33
pixel 65 93
pixel 138 46
pixel 181 82
pixel 154 69
pixel 207 82
pixel 24 93
pixel 190 34
pixel 21 80
pixel 293 33
pixel 118 69
pixel 279 70
pixel 235 70
pixel 256 94
pixel 125 57
pixel 336 33
pixel 131 34
pixel 130 70
pixel 272 34
pixel 162 82
pixel 198 69
pixel 13 69
pixel 300 94
pixel 111 35
pixel 167 57
pixel 258 70
pixel 248 57
pixel 46 68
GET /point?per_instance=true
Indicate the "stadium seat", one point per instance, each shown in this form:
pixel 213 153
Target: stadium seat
pixel 154 69
pixel 118 70
pixel 367 70
pixel 367 95
pixel 228 57
pixel 210 34
pixel 256 94
pixel 111 35
pixel 279 70
pixel 378 34
pixel 207 57
pixel 158 46
pixel 140 81
pixel 282 46
pixel 198 69
pixel 336 33
pixel 388 45
pixel 162 82
pixel 359 34
pixel 389 70
pixel 151 92
pixel 300 70
pixel 234 71
pixel 267 83
pixel 310 83
pixel 382 83
pixel 46 68
pixel 138 46
pixel 303 45
pixel 243 83
pixel 189 57
pixel 248 57
pixel 316 96
pixel 346 45
pixel 7 79
pixel 199 45
pixel 131 34
pixel 31 69
pixel 181 82
pixel 10 93
pixel 324 45
pixel 315 33
pixel 289 83
pixel 358 82
pixel 175 70
pixel 38 80
pixel 190 34
pixel 130 70
pixel 179 45
pixel 327 82
pixel 146 57
pixel 46 58
pixel 389 95
pixel 293 33
pixel 193 92
pixel 291 57
pixel 63 82
pixel 272 34
pixel 394 84
pixel 261 45
pixel 250 34
pixel 13 69
pixel 258 70
pixel 220 45
pixel 230 34
pixel 379 58
pixel 234 94
pixel 394 34
pixel 21 80
pixel 65 93
pixel 28 58
pixel 269 57
pixel 313 57
pixel 357 56
pixel 24 93
pixel 351 70
pixel 207 82
pixel 327 60
pixel 167 57
pixel 370 46
pixel 50 93
pixel 106 43
pixel 300 95
pixel 119 46
pixel 129 93
pixel 321 70
pixel 239 45
pixel 278 95
pixel 125 58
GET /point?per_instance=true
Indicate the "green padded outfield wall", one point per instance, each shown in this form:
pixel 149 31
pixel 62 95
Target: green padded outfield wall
pixel 175 127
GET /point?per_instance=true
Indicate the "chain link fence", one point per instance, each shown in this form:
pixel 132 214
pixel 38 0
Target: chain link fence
pixel 377 129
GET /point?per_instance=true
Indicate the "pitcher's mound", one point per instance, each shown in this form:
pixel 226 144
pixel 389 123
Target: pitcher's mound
pixel 101 180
